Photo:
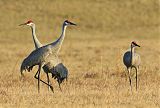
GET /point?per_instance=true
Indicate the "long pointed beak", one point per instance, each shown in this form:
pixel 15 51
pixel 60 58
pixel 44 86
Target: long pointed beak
pixel 138 45
pixel 73 24
pixel 22 24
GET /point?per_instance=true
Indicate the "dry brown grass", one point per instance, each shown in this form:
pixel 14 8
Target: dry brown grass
pixel 92 52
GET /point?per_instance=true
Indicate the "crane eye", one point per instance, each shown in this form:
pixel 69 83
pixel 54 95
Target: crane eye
pixel 29 21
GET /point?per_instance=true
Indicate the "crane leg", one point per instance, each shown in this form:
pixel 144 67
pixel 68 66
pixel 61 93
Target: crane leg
pixel 136 80
pixel 59 85
pixel 48 81
pixel 39 78
pixel 136 76
pixel 35 76
pixel 130 81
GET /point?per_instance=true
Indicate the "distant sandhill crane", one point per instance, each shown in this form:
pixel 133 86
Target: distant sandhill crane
pixel 132 60
pixel 46 56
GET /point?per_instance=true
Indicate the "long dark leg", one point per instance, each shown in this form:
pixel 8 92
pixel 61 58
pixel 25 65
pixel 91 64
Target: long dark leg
pixel 48 81
pixel 130 81
pixel 59 83
pixel 35 76
pixel 39 78
pixel 136 78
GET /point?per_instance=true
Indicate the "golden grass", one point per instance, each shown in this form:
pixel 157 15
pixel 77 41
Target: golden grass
pixel 92 51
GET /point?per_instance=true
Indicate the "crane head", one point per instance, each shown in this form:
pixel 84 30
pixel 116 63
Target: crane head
pixel 134 44
pixel 66 22
pixel 29 23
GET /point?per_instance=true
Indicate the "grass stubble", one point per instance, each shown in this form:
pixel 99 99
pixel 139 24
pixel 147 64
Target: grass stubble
pixel 92 51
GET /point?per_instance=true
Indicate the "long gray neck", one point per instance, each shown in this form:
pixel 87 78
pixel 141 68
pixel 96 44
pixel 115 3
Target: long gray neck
pixel 36 41
pixel 58 43
pixel 132 53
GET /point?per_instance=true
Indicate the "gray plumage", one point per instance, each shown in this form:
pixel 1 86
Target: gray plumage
pixel 132 60
pixel 45 55
pixel 59 72
pixel 135 59
pixel 36 57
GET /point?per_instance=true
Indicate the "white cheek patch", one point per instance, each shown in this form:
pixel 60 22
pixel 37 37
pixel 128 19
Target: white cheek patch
pixel 29 24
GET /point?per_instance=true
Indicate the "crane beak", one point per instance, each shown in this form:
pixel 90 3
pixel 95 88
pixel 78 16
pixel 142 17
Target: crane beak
pixel 138 45
pixel 22 24
pixel 135 44
pixel 73 24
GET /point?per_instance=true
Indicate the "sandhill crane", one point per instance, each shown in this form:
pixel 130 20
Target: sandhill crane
pixel 59 72
pixel 132 60
pixel 47 55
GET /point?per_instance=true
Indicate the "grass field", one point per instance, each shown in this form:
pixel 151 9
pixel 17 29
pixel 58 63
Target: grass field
pixel 92 51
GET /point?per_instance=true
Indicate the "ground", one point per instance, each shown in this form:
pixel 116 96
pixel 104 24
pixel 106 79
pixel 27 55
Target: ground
pixel 92 51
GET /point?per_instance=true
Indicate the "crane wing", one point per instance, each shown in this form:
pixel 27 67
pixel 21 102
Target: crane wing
pixel 34 58
pixel 52 59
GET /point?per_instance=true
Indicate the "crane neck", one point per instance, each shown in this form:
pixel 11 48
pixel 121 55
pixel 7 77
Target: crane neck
pixel 132 52
pixel 57 44
pixel 61 38
pixel 36 41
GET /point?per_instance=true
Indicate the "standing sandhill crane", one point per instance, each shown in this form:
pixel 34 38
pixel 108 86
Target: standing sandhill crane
pixel 47 55
pixel 132 60
pixel 59 72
